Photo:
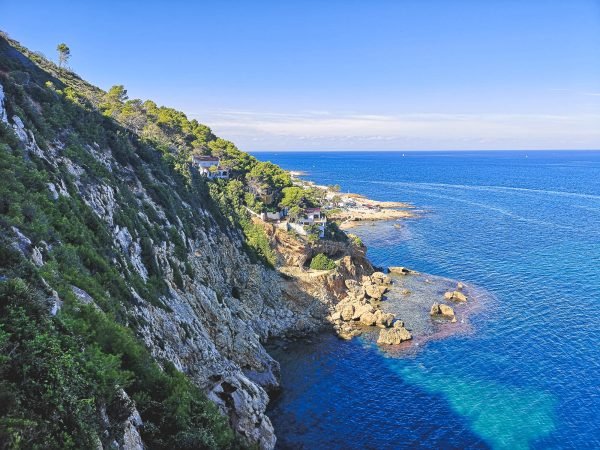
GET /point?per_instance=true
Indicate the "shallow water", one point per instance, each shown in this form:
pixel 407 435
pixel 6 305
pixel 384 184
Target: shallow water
pixel 527 373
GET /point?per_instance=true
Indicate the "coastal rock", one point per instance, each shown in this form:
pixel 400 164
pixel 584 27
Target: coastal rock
pixel 347 313
pixel 455 296
pixel 381 278
pixel 375 291
pixel 359 310
pixel 383 320
pixel 368 319
pixel 394 336
pixel 460 286
pixel 347 331
pixel 401 270
pixel 440 309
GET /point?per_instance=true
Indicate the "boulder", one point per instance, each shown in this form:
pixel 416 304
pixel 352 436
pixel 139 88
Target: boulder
pixel 439 309
pixel 381 278
pixel 347 332
pixel 455 296
pixel 368 319
pixel 347 312
pixel 394 336
pixel 375 291
pixel 359 310
pixel 460 286
pixel 359 293
pixel 383 320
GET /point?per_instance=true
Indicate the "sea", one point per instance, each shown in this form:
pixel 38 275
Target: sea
pixel 524 227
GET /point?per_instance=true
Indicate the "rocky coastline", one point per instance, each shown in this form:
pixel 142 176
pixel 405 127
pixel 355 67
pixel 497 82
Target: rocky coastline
pixel 353 299
pixel 218 307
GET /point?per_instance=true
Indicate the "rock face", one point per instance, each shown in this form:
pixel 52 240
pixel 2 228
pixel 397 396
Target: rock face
pixel 442 310
pixel 456 296
pixel 220 308
pixel 394 336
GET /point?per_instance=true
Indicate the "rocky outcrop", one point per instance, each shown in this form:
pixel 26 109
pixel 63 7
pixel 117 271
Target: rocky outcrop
pixel 361 306
pixel 121 422
pixel 3 113
pixel 443 311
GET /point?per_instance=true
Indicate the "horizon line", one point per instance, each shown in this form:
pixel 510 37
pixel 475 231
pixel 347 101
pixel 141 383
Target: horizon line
pixel 423 150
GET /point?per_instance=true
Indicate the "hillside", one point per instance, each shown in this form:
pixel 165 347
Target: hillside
pixel 136 295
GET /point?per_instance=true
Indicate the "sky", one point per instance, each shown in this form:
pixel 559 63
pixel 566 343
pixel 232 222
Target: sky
pixel 343 74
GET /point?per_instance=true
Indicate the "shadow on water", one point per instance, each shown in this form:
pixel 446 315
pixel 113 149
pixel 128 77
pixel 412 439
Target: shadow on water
pixel 342 395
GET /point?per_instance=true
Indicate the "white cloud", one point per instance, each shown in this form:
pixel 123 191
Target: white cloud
pixel 329 130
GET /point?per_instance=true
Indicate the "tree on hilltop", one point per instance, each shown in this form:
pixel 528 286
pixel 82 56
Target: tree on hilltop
pixel 64 53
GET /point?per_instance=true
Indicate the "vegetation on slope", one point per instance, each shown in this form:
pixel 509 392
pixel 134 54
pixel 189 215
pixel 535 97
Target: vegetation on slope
pixel 57 373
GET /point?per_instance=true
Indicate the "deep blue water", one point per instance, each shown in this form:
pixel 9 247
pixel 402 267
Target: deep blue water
pixel 526 229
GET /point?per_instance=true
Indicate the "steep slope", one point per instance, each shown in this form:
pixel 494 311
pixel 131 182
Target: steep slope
pixel 104 226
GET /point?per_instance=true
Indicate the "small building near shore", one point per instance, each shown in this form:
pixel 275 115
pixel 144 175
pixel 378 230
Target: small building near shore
pixel 313 217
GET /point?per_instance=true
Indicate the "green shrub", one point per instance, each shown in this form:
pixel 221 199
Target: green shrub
pixel 322 262
pixel 356 241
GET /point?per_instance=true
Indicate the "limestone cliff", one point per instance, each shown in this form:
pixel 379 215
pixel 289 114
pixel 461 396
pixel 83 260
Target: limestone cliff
pixel 217 307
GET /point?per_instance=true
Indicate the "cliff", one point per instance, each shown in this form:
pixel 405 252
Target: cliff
pixel 106 229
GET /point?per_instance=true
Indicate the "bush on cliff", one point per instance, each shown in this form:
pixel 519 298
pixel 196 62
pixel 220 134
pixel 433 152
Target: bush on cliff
pixel 322 262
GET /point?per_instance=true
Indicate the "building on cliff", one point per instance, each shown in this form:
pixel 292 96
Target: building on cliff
pixel 310 218
pixel 210 167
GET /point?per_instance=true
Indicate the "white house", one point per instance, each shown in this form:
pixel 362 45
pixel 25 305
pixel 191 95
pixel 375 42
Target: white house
pixel 209 166
pixel 313 216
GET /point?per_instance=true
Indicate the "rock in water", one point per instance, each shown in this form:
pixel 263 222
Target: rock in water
pixel 394 336
pixel 439 309
pixel 401 270
pixel 455 296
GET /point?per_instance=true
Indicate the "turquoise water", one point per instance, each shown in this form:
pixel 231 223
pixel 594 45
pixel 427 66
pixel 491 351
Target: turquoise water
pixel 524 227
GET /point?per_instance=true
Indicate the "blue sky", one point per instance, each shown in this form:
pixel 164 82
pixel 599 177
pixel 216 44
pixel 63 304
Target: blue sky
pixel 403 74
